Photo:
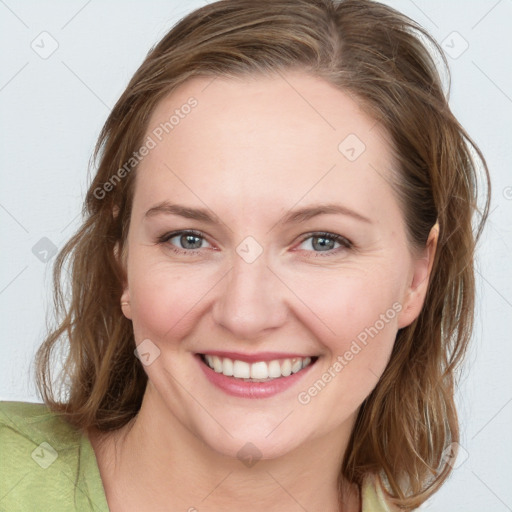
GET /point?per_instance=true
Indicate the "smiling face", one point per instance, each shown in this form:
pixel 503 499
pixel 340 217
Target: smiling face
pixel 257 281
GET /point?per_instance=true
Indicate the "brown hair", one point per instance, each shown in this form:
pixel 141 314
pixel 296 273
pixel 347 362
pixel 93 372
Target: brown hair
pixel 375 54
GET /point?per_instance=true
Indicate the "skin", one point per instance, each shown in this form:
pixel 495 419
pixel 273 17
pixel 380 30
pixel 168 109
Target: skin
pixel 252 150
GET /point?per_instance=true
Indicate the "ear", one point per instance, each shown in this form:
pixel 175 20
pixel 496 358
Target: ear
pixel 125 297
pixel 418 286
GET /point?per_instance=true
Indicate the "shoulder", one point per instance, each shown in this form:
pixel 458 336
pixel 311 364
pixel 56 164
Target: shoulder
pixel 32 429
pixel 32 419
pixel 40 457
pixel 374 496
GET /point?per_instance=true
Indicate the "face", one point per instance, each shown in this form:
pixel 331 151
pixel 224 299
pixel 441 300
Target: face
pixel 266 241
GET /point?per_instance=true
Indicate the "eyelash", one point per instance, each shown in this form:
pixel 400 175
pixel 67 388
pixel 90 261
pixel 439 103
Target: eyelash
pixel 344 242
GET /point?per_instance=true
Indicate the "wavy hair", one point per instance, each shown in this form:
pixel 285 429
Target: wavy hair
pixel 389 66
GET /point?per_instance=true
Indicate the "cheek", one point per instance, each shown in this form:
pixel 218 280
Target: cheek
pixel 165 299
pixel 361 315
pixel 348 305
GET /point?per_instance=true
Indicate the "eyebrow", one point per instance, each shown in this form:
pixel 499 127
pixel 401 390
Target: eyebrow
pixel 292 217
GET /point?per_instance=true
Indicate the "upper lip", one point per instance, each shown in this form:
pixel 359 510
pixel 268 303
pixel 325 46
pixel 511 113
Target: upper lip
pixel 251 358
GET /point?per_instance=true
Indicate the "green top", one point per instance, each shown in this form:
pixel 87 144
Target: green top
pixel 45 463
pixel 48 465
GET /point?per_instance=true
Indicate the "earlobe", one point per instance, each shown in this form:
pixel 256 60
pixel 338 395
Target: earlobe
pixel 125 304
pixel 417 290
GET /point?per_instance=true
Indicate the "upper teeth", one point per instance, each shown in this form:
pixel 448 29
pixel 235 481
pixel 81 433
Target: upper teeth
pixel 259 370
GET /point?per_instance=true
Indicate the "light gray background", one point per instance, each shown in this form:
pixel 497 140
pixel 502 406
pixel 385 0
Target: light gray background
pixel 52 110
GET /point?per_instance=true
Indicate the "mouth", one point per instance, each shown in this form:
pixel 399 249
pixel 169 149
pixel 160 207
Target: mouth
pixel 257 371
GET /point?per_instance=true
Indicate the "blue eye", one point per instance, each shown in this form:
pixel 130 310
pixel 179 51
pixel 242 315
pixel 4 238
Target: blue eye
pixel 187 241
pixel 325 242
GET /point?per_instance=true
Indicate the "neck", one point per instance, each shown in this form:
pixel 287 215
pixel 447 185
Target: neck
pixel 156 463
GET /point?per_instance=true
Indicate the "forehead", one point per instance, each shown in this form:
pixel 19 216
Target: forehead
pixel 260 141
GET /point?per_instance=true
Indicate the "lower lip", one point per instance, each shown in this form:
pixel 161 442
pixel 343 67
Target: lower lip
pixel 243 389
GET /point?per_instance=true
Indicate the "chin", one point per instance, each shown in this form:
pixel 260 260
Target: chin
pixel 249 448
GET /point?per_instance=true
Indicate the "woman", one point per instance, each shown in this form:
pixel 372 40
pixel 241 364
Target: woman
pixel 274 282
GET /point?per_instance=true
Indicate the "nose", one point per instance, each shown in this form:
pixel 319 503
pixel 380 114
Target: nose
pixel 251 300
